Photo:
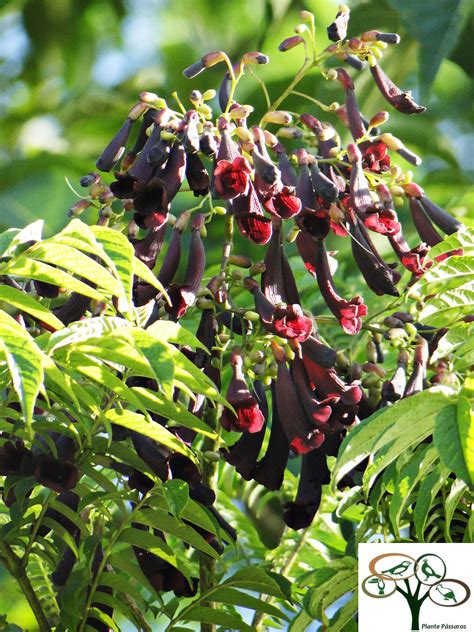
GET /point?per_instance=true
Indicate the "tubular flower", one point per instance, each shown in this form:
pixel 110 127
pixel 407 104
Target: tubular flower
pixel 423 225
pixel 248 415
pixel 401 101
pixel 348 313
pixel 415 381
pixel 302 435
pixel 232 179
pixel 270 470
pixel 354 118
pixel 376 158
pixel 250 218
pixel 394 388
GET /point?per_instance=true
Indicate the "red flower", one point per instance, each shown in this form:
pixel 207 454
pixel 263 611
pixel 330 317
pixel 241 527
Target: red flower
pixel 231 179
pixel 285 204
pixel 386 222
pixel 249 417
pixel 376 157
pixel 289 322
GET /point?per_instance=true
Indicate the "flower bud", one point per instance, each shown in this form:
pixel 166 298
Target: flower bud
pixel 205 110
pixel 240 260
pixel 257 268
pixel 208 94
pixel 194 69
pixel 396 190
pixel 410 157
pixel 89 179
pixel 290 42
pixel 353 153
pixel 289 132
pixel 369 36
pixel 211 456
pixel 78 208
pixel 279 117
pixel 392 142
pixel 327 134
pixel 413 190
pixel 301 28
pixel 255 58
pixel 270 139
pixel 211 59
pixel 307 16
pixel 252 316
pixel 136 111
pixel 331 74
pixel 241 112
pixel 388 38
pixel 148 97
pixel 379 119
pixel 376 52
pixel 292 234
pixel 219 210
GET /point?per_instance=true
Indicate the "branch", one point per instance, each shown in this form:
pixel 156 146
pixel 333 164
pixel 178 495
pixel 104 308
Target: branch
pixel 14 566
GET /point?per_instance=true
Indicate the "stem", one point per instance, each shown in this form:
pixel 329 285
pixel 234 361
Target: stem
pixel 258 616
pixel 228 243
pixel 307 65
pixel 313 100
pixel 262 85
pixel 14 566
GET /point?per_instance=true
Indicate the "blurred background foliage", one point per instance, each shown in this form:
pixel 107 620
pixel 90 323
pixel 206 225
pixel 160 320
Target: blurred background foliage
pixel 70 70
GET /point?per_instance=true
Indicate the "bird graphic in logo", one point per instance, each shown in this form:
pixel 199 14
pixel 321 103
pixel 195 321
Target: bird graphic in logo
pixel 399 569
pixel 447 593
pixel 428 571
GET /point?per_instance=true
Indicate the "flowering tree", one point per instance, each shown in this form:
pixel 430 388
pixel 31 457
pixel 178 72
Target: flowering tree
pixel 137 373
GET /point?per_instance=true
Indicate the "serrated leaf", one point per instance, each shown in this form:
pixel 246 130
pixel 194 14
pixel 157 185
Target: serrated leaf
pixel 255 579
pixel 24 361
pixel 174 332
pixel 238 598
pixel 429 487
pixel 344 615
pixel 454 440
pixel 459 340
pixel 444 309
pixel 447 275
pixel 138 423
pixel 300 622
pixel 462 239
pixel 29 305
pixel 458 489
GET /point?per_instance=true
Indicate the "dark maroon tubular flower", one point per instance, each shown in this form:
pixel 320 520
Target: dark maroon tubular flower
pixel 301 434
pixel 278 283
pixel 243 454
pixel 423 225
pixel 401 101
pixel 288 175
pixel 269 471
pixel 70 500
pixel 196 175
pixel 162 576
pixel 207 143
pixel 57 474
pixel 304 189
pixel 73 308
pixel 328 384
pixel 317 128
pixel 384 222
pixel 288 322
pixel 183 468
pixel 354 118
pixel 148 248
pixel 172 258
pixel 172 176
pixel 224 91
pixel 322 185
pixel 376 157
pixel 232 178
pixel 141 139
pixel 415 381
pixel 394 388
pixel 359 187
pixel 443 220
pixel 284 203
pixel 411 259
pixel 152 454
pixel 300 513
pixel 337 30
pixel 250 218
pixel 66 563
pixel 249 417
pixel 12 456
pixel 319 352
pixel 307 249
pixel 318 412
pixel 114 150
pixel 378 275
pixel 202 494
pixel 46 290
pixel 348 313
pixel 182 296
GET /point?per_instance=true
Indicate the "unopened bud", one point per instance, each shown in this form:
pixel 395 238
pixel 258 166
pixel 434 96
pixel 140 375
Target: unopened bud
pixel 211 456
pixel 211 59
pixel 301 28
pixel 413 190
pixel 327 134
pixel 194 69
pixel 376 52
pixel 411 329
pixel 208 95
pixel 289 132
pixel 89 179
pixel 290 42
pixel 279 117
pixel 398 201
pixel 244 134
pixel 353 153
pixel 257 268
pixel 290 354
pixel 391 141
pixel 205 110
pixel 78 208
pixel 371 60
pixel 148 97
pixel 331 74
pixel 410 157
pixel 237 275
pixel 255 58
pixel 307 16
pixel 251 315
pixel 292 234
pixel 241 112
pixel 396 190
pixel 219 210
pixel 369 36
pixel 195 97
pixel 136 111
pixel 204 303
pixel 388 38
pixel 270 139
pixel 379 119
pixel 240 260
pixel 395 172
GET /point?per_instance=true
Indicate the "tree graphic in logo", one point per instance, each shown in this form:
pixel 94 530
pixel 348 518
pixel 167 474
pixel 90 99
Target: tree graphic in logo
pixel 416 580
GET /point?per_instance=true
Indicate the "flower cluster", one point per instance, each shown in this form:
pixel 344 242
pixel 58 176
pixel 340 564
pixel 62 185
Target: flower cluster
pixel 261 342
